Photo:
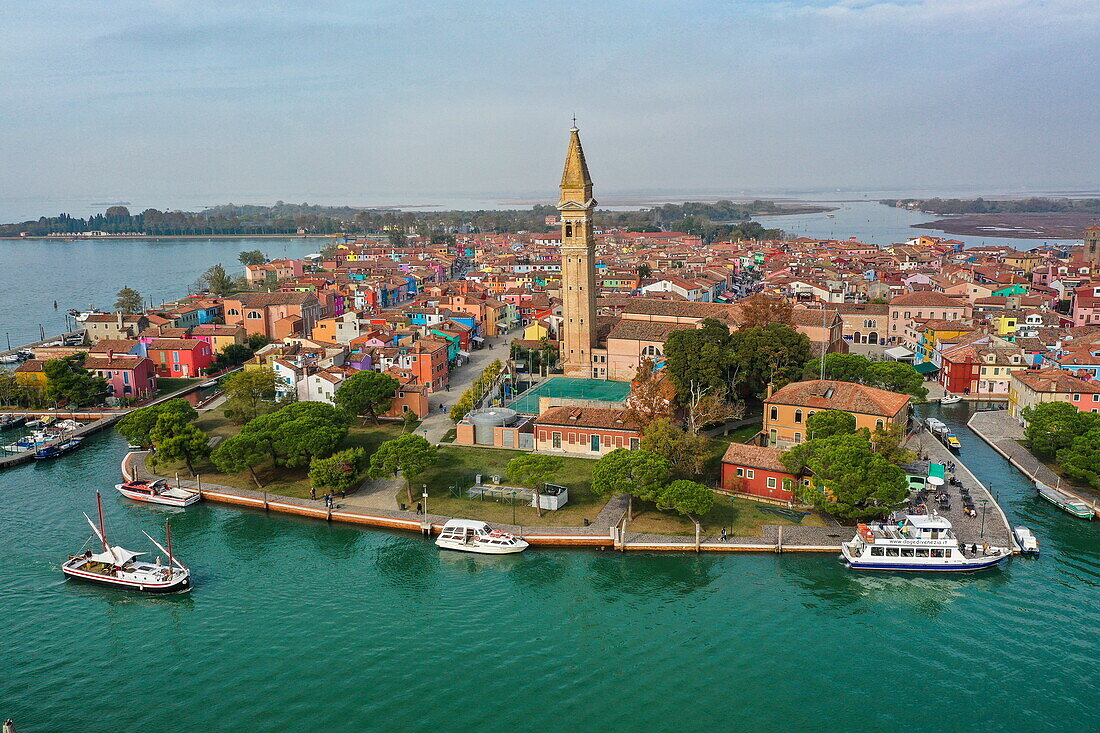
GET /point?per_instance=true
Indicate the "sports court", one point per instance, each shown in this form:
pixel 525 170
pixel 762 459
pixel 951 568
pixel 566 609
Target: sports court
pixel 579 388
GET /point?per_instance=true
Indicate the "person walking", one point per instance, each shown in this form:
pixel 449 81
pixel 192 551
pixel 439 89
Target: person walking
pixel 419 507
pixel 313 493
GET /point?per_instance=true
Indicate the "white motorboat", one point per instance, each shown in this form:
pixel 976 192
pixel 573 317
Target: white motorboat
pixel 950 399
pixel 923 542
pixel 1029 545
pixel 158 492
pixel 118 567
pixel 469 535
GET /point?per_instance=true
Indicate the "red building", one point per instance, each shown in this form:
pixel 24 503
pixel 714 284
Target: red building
pixel 960 370
pixel 180 357
pixel 757 470
pixel 588 431
pixel 430 364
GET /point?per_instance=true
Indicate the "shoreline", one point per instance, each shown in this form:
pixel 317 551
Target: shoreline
pixel 1068 226
pixel 144 237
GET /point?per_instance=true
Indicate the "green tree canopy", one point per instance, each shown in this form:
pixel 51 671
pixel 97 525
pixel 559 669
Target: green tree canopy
pixel 827 423
pixel 774 353
pixel 296 434
pixel 1081 458
pixel 698 356
pixel 410 455
pixel 366 393
pixel 686 497
pixel 896 376
pixel 252 257
pixel 889 442
pixel 137 426
pixel 841 367
pixel 129 301
pixel 338 472
pixel 848 479
pixel 534 469
pixel 636 473
pixel 67 380
pixel 1053 426
pixel 218 281
pixel 178 439
pixel 249 393
pixel 241 452
pixel 687 452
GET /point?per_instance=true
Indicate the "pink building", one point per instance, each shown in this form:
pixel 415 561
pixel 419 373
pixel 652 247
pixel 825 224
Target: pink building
pixel 129 376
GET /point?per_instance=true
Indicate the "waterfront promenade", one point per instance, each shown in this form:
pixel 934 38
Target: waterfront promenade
pixel 1003 434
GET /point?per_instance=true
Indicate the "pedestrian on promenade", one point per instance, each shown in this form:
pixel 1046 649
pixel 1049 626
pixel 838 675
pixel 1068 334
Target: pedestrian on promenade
pixel 419 508
pixel 313 493
pixel 723 534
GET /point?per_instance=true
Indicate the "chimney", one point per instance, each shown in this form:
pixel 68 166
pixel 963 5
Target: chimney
pixel 119 314
pixel 771 390
pixel 110 354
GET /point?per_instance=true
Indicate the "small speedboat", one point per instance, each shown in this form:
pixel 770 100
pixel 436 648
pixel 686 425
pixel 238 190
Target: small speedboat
pixel 10 359
pixel 1064 501
pixel 11 421
pixel 953 442
pixel 118 567
pixel 1026 540
pixel 469 535
pixel 950 399
pixel 158 492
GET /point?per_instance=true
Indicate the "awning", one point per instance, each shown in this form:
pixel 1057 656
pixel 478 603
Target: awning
pixel 478 339
pixel 464 353
pixel 926 367
pixel 900 353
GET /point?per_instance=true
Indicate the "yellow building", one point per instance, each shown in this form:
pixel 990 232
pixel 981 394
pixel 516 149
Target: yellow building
pixel 787 410
pixel 30 374
pixel 536 331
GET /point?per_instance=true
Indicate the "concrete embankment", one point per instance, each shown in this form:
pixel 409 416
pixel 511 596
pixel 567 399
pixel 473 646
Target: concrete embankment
pixel 607 534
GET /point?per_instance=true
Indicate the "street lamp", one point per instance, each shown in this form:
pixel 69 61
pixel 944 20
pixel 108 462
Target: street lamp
pixel 985 510
pixel 424 495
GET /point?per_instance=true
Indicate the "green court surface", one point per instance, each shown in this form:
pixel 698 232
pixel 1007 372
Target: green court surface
pixel 571 387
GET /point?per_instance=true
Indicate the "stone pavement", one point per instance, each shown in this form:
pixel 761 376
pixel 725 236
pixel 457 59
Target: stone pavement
pixel 1003 434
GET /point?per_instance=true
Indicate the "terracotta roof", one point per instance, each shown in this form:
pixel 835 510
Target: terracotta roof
pixel 926 299
pixel 754 456
pixel 119 346
pixel 829 394
pixel 118 361
pixel 181 344
pixel 585 417
pixel 262 300
pixel 1056 380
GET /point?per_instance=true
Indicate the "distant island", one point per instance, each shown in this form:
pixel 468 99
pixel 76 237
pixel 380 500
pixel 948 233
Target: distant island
pixel 713 220
pixel 1030 218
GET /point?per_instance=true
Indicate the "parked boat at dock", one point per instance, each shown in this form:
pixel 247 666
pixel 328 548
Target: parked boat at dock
pixel 7 422
pixel 54 450
pixel 950 399
pixel 1029 545
pixel 468 535
pixel 158 492
pixel 917 542
pixel 118 567
pixel 1066 502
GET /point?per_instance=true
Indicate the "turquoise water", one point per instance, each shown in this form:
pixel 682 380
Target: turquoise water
pixel 35 273
pixel 588 389
pixel 299 625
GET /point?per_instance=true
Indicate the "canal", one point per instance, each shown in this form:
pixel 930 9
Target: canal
pixel 300 625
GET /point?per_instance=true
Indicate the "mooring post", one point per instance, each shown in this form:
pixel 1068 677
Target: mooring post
pixel 779 542
pixel 698 530
pixel 265 501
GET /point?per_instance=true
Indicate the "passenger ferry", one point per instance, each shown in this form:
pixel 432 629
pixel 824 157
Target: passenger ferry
pixel 468 535
pixel 917 542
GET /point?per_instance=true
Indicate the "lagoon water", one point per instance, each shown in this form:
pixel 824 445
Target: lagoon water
pixel 298 625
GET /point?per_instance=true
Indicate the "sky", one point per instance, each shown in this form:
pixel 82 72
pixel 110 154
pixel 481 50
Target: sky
pixel 172 103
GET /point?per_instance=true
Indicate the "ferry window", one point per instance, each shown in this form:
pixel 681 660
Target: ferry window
pixel 891 552
pixel 922 553
pixel 907 552
pixel 937 553
pixel 877 551
pixel 947 552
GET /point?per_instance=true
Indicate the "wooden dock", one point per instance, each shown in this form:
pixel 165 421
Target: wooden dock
pixel 99 422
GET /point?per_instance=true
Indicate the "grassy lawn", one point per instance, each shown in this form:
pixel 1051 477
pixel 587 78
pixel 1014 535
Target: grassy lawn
pixel 167 385
pixel 280 480
pixel 740 517
pixel 457 466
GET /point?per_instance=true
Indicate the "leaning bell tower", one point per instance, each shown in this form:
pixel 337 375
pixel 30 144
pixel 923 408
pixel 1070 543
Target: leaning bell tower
pixel 578 267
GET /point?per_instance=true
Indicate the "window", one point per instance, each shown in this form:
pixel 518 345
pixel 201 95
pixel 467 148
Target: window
pixel 798 417
pixel 771 482
pixel 922 553
pixel 232 312
pixel 557 440
pixel 750 473
pixel 772 437
pixel 877 552
pixel 892 552
pixel 1096 398
pixel 651 351
pixel 775 413
pixel 880 424
pixel 740 471
pixel 1076 398
pixel 635 444
pixel 255 314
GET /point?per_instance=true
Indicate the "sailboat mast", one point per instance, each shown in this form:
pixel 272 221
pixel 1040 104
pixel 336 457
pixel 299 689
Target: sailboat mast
pixel 102 529
pixel 168 532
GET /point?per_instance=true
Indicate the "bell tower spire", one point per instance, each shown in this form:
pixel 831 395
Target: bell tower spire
pixel 578 254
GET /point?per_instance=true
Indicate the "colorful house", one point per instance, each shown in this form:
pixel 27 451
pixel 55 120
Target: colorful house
pixel 129 377
pixel 180 357
pixel 757 471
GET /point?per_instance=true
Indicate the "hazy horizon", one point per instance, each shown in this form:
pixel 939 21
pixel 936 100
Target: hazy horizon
pixel 178 105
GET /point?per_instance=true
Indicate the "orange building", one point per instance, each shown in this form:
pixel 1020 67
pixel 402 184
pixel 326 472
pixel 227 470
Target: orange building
pixel 787 410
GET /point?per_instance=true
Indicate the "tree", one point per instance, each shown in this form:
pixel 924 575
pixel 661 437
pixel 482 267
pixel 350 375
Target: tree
pixel 137 426
pixel 689 498
pixel 249 393
pixel 338 472
pixel 533 470
pixel 760 310
pixel 698 356
pixel 652 395
pixel 896 376
pixel 397 238
pixel 849 480
pixel 686 451
pixel 178 439
pixel 243 451
pixel 889 442
pixel 643 270
pixel 68 380
pixel 232 355
pixel 252 257
pixel 710 406
pixel 774 354
pixel 218 281
pixel 129 301
pixel 366 393
pixel 637 473
pixel 1053 426
pixel 257 341
pixel 827 423
pixel 841 367
pixel 409 455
